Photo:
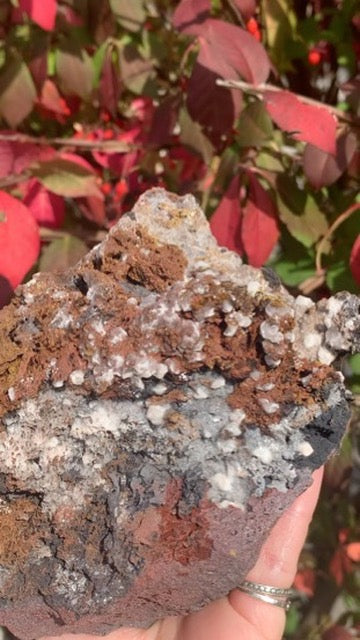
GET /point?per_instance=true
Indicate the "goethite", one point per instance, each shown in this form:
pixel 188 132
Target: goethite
pixel 161 405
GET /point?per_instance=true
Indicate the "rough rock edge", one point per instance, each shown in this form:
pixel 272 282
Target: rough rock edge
pixel 163 343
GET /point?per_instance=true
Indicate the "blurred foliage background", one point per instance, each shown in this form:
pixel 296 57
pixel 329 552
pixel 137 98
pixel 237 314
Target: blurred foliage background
pixel 100 101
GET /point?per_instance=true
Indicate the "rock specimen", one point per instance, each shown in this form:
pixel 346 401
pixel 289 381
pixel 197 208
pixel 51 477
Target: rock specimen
pixel 161 405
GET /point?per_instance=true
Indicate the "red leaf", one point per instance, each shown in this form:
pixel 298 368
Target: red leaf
pixel 40 11
pixel 353 551
pixel 354 166
pixel 259 230
pixel 70 16
pixel 233 51
pixel 16 157
pixel 190 164
pixel 163 121
pixel 52 100
pixel 19 239
pixel 339 566
pixel 355 260
pixel 190 13
pixel 74 70
pixel 69 175
pixel 73 157
pixel 214 107
pixel 305 581
pixel 17 92
pixel 337 632
pixel 93 209
pixel 225 222
pixel 110 84
pixel 47 208
pixel 322 169
pixel 343 534
pixel 305 122
pixel 38 63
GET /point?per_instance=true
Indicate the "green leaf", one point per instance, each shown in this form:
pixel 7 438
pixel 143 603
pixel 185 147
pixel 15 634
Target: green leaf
pixel 229 161
pixel 299 212
pixel 293 272
pixel 98 60
pixel 254 126
pixel 339 278
pixel 338 467
pixel 308 30
pixel 130 15
pixel 75 70
pixel 268 161
pixel 354 362
pixel 62 253
pixel 67 179
pixel 193 137
pixel 280 22
pixel 51 62
pixel 293 619
pixel 136 72
pixel 17 92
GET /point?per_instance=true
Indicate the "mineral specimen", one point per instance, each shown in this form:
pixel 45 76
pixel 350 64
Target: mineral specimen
pixel 161 405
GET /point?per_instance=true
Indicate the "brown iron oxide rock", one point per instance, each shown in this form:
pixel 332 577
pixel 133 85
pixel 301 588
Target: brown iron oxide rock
pixel 161 405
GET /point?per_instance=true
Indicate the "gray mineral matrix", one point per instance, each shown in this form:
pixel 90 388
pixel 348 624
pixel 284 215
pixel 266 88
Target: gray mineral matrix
pixel 161 405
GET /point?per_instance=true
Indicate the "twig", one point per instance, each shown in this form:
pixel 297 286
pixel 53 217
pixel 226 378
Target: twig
pixel 47 235
pixel 310 284
pixel 263 173
pixel 111 146
pixel 184 58
pixel 339 220
pixel 235 10
pixel 13 179
pixel 90 238
pixel 263 87
pixel 207 183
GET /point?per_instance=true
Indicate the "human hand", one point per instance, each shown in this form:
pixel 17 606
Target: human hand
pixel 239 616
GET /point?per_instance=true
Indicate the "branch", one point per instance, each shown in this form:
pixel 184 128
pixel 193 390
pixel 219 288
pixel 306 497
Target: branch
pixel 261 88
pixel 235 10
pixel 110 146
pixel 317 280
pixel 320 248
pixel 90 237
pixel 13 179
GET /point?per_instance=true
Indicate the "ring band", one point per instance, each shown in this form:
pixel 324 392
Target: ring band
pixel 271 595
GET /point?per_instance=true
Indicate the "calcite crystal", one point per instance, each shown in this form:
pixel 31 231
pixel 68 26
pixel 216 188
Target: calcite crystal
pixel 161 405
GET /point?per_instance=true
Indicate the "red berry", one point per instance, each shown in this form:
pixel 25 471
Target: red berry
pixel 64 107
pixel 104 116
pixel 252 26
pixel 314 57
pixel 108 134
pixel 106 188
pixel 121 188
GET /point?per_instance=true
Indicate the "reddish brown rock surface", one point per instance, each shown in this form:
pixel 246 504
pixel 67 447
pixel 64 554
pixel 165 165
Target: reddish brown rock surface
pixel 161 405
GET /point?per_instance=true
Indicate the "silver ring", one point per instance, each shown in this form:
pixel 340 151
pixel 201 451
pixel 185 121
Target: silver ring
pixel 270 595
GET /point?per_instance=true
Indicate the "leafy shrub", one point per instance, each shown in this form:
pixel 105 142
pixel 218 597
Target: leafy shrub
pixel 101 100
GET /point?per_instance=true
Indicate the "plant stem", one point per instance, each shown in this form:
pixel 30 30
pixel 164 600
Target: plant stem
pixel 235 10
pixel 89 237
pixel 111 146
pixel 262 88
pixel 14 179
pixel 320 248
